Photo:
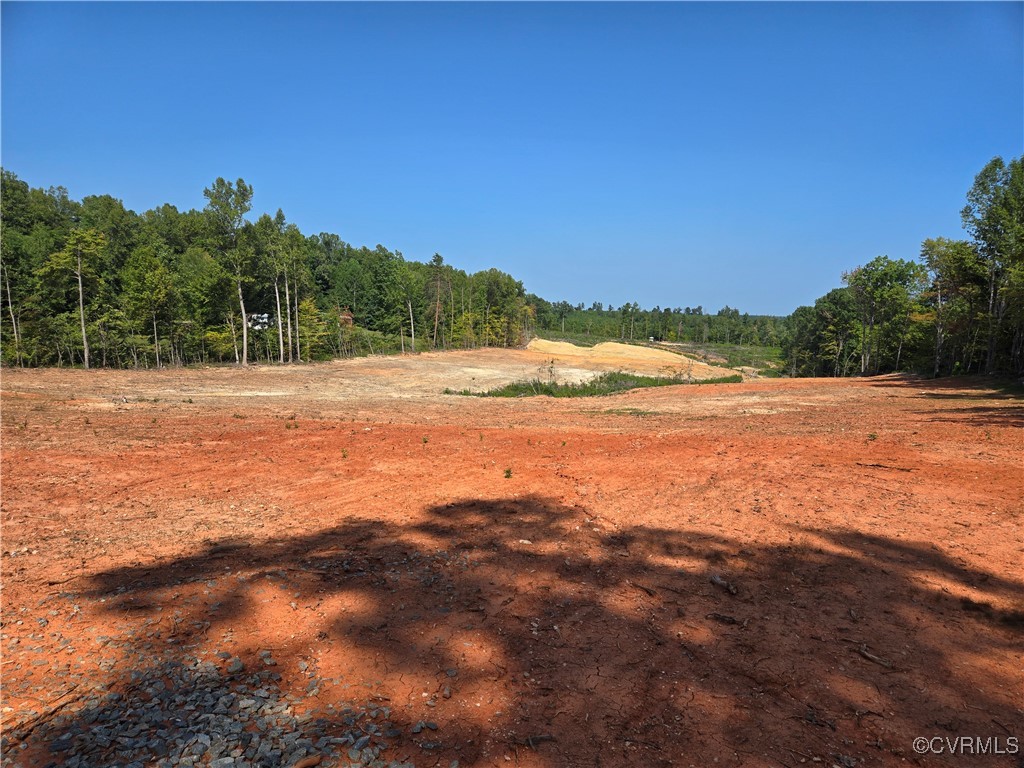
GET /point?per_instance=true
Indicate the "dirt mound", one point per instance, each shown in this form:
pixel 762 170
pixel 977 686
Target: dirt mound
pixel 611 355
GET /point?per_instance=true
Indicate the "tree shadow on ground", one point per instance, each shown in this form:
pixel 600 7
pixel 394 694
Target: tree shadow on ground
pixel 980 416
pixel 536 634
pixel 958 387
pixel 997 402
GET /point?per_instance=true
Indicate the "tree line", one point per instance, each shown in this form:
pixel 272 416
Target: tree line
pixel 631 322
pixel 957 309
pixel 92 283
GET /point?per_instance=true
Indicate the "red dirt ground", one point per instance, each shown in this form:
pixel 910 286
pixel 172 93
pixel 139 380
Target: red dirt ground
pixel 535 575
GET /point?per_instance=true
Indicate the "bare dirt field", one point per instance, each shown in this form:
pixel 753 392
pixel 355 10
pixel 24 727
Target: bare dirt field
pixel 337 564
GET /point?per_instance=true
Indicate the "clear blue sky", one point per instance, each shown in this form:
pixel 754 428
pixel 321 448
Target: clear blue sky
pixel 668 153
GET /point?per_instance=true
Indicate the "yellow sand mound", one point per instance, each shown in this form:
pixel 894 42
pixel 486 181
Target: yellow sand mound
pixel 613 356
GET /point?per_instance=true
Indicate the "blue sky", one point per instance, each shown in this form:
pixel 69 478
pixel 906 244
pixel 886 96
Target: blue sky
pixel 672 154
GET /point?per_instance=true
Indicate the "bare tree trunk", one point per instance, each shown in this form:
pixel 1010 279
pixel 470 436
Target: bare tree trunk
pixel 298 341
pixel 156 341
pixel 437 317
pixel 990 357
pixel 863 346
pixel 14 319
pixel 234 336
pixel 451 330
pixel 412 326
pixel 81 309
pixel 245 326
pixel 280 331
pixel 288 314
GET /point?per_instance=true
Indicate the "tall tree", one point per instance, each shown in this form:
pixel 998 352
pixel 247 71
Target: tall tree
pixel 994 217
pixel 883 290
pixel 78 258
pixel 227 207
pixel 147 287
pixel 956 297
pixel 269 236
pixel 293 260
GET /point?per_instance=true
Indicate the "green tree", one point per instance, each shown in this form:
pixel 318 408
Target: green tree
pixel 202 290
pixel 994 217
pixel 269 236
pixel 823 339
pixel 956 298
pixel 226 207
pixel 78 258
pixel 884 291
pixel 147 283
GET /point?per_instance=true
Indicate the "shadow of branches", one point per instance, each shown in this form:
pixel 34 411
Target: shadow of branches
pixel 974 400
pixel 522 630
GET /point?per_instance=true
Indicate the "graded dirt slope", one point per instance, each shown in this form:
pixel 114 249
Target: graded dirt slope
pixel 760 574
pixel 609 355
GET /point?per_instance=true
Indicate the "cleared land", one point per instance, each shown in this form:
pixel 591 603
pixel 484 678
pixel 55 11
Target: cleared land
pixel 534 577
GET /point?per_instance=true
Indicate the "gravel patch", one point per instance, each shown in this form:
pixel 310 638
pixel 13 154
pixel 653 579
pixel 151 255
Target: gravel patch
pixel 191 715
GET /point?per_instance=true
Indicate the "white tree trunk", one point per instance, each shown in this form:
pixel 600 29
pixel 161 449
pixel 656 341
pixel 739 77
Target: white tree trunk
pixel 280 332
pixel 14 319
pixel 156 341
pixel 412 326
pixel 288 314
pixel 245 326
pixel 298 341
pixel 81 310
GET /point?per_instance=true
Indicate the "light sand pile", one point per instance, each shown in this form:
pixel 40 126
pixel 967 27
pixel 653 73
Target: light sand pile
pixel 610 355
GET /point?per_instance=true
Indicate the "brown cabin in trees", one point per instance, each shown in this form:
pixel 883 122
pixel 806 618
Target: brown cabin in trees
pixel 345 317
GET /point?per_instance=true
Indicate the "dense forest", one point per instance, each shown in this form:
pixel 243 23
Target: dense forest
pixel 958 309
pixel 92 283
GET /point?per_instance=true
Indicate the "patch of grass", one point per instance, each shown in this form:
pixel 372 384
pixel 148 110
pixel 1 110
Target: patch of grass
pixel 237 416
pixel 605 384
pixel 639 412
pixel 508 473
